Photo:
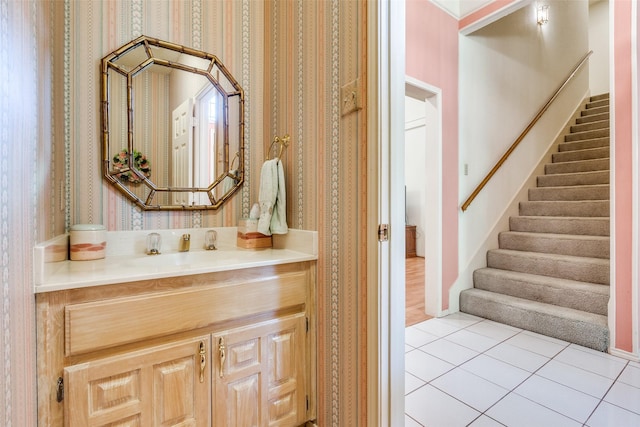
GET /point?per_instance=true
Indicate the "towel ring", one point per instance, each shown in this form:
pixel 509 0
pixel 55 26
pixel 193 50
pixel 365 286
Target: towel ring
pixel 282 142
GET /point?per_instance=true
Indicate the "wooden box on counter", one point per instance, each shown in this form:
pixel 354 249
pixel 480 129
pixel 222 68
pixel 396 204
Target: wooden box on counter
pixel 249 237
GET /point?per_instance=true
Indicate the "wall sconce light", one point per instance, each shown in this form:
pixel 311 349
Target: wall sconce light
pixel 543 14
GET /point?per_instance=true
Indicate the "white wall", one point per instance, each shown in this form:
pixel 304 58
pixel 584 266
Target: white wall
pixel 508 70
pixel 414 161
pixel 599 43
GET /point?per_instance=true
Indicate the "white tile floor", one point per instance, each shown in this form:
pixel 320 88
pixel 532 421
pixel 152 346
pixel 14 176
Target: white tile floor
pixel 463 370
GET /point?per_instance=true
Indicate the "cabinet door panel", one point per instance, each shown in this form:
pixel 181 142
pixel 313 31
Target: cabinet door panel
pixel 173 400
pixel 166 385
pixel 242 397
pixel 286 358
pixel 260 377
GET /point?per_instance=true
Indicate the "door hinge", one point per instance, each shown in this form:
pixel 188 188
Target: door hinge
pixel 307 321
pixel 60 390
pixel 383 232
pixel 307 403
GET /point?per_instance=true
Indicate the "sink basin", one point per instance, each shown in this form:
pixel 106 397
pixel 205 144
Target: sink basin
pixel 194 258
pixel 176 258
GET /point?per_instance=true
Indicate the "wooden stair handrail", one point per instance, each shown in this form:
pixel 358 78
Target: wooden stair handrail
pixel 504 157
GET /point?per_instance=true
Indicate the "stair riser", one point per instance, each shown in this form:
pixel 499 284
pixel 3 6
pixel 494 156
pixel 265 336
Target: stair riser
pixel 590 134
pixel 584 145
pixel 590 298
pixel 569 225
pixel 597 104
pixel 596 247
pixel 599 97
pixel 593 111
pixel 584 209
pixel 581 166
pixel 578 155
pixel 584 270
pixel 579 332
pixel 582 127
pixel 584 192
pixel 580 178
pixel 592 118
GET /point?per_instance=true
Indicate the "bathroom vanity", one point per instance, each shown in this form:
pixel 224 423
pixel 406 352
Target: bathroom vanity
pixel 203 338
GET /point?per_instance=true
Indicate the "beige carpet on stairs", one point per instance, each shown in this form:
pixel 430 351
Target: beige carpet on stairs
pixel 550 273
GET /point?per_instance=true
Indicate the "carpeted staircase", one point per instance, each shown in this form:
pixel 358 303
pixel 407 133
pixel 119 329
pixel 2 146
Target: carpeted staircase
pixel 551 272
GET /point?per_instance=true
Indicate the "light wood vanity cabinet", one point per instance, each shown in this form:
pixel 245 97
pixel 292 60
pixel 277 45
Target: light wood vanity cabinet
pixel 233 348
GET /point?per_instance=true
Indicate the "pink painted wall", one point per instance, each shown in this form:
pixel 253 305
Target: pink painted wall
pixel 623 170
pixel 432 57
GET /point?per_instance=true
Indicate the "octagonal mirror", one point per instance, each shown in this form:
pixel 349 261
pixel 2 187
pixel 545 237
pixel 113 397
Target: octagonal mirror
pixel 172 126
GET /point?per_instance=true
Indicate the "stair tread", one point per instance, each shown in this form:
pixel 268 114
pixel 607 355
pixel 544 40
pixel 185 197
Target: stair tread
pixel 604 141
pixel 579 155
pixel 564 187
pixel 582 150
pixel 558 236
pixel 561 257
pixel 593 118
pixel 542 307
pixel 592 123
pixel 566 218
pixel 565 201
pixel 579 161
pixel 595 110
pixel 580 192
pixel 582 245
pixel 585 208
pixel 548 280
pixel 567 324
pixel 564 292
pixel 575 174
pixel 593 226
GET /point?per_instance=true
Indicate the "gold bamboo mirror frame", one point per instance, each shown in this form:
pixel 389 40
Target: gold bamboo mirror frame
pixel 172 126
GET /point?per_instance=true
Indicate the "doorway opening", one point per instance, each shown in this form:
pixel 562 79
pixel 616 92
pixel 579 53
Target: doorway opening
pixel 423 200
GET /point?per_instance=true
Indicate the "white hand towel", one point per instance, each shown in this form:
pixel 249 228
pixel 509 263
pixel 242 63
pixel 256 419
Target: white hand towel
pixel 279 218
pixel 272 198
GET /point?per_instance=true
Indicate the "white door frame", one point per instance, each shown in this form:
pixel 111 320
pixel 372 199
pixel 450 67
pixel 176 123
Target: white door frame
pixel 385 176
pixel 432 96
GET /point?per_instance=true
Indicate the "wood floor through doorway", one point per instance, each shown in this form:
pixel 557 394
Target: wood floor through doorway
pixel 414 293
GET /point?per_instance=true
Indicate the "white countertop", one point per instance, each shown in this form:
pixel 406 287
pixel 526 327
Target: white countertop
pixel 127 262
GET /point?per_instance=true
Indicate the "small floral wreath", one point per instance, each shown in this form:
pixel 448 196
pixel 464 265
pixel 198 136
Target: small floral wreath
pixel 140 162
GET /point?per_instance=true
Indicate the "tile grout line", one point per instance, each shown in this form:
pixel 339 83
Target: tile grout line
pixel 512 390
pixel 607 392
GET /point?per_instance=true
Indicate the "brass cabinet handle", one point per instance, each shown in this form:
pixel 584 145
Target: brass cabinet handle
pixel 221 350
pixel 203 360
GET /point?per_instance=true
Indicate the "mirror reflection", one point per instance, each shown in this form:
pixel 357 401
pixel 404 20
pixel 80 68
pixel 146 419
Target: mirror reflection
pixel 172 126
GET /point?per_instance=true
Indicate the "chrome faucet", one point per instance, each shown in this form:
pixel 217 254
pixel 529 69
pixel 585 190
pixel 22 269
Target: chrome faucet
pixel 185 240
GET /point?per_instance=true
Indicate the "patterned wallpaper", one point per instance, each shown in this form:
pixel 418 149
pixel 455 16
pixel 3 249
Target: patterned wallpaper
pixel 313 49
pixel 25 145
pixel 232 30
pixel 290 56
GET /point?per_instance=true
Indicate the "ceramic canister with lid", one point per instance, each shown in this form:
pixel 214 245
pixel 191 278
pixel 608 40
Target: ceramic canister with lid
pixel 87 242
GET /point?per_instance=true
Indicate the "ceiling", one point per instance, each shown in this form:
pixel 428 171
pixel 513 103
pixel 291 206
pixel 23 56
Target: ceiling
pixel 461 8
